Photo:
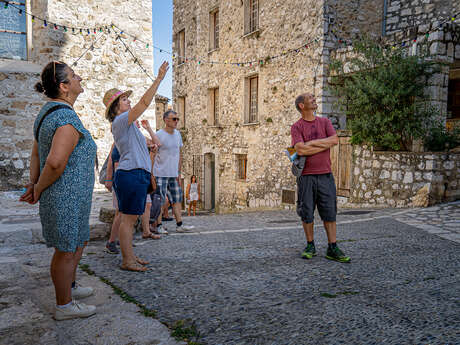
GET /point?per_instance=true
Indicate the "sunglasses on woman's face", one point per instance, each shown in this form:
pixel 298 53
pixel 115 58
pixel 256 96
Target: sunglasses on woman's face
pixel 175 118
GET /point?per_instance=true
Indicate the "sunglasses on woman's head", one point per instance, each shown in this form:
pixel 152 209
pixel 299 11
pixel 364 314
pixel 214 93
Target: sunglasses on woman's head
pixel 54 68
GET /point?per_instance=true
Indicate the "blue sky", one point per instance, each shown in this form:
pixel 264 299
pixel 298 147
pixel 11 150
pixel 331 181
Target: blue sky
pixel 162 14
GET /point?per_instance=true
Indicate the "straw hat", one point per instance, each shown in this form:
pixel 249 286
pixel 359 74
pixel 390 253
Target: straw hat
pixel 111 96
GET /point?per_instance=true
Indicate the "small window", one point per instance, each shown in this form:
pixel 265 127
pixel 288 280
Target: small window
pixel 251 16
pixel 214 29
pixel 214 106
pixel 453 97
pixel 13 32
pixel 180 44
pixel 242 162
pixel 181 111
pixel 288 196
pixel 251 99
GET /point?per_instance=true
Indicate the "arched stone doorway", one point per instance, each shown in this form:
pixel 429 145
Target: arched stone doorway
pixel 209 181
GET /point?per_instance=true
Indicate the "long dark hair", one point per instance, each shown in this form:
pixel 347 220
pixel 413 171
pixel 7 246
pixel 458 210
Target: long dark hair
pixel 113 110
pixel 52 76
pixel 191 179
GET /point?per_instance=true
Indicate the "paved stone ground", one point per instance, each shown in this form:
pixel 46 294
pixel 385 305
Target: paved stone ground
pixel 27 296
pixel 239 278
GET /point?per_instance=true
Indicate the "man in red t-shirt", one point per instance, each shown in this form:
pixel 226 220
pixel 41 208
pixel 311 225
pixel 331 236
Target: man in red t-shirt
pixel 313 137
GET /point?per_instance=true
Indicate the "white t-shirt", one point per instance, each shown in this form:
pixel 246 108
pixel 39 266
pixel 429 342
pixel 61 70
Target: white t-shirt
pixel 167 158
pixel 131 144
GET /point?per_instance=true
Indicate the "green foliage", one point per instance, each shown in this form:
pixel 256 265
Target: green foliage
pixel 440 139
pixel 183 330
pixel 381 91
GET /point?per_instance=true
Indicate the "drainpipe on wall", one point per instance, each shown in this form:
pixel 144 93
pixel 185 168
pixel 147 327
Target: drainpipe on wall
pixel 384 19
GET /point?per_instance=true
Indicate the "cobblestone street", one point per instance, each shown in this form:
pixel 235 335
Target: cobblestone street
pixel 239 279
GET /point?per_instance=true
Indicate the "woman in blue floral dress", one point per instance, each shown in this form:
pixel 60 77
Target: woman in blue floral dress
pixel 62 180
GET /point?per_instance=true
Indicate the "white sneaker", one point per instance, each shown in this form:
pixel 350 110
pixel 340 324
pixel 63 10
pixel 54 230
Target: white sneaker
pixel 183 228
pixel 73 311
pixel 161 230
pixel 81 292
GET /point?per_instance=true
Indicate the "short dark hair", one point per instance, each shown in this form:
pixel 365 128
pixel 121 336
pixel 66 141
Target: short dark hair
pixel 300 99
pixel 167 112
pixel 52 76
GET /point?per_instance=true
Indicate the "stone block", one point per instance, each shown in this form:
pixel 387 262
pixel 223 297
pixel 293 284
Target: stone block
pixel 19 105
pixel 428 176
pixel 408 177
pixel 376 164
pixel 406 12
pixel 438 48
pixel 384 174
pixel 106 215
pixel 448 165
pixel 422 197
pixel 429 165
pixel 396 175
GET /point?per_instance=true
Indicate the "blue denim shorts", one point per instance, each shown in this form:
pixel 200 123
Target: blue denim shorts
pixel 131 189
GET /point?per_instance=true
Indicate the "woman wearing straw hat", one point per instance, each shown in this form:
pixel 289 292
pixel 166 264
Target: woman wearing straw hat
pixel 133 175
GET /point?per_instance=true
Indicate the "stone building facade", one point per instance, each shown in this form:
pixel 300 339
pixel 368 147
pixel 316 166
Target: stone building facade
pixel 102 67
pixel 240 65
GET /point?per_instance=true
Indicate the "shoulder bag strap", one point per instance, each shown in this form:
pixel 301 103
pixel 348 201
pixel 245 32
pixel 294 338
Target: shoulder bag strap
pixel 52 109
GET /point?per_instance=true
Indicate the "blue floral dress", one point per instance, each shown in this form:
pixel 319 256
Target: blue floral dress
pixel 66 204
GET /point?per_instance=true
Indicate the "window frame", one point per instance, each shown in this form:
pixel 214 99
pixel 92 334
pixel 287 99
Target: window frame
pixel 251 117
pixel 251 16
pixel 180 42
pixel 181 111
pixel 241 167
pixel 214 29
pixel 213 106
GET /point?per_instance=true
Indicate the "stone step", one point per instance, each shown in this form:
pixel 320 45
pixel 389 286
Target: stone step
pixel 14 235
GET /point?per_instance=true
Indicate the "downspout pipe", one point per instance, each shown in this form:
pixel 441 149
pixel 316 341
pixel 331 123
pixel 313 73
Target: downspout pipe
pixel 384 19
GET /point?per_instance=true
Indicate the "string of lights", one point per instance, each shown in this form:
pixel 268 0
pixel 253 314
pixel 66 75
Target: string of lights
pixel 441 24
pixel 107 29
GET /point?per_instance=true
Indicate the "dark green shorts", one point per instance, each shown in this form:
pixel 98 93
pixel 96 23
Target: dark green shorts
pixel 316 191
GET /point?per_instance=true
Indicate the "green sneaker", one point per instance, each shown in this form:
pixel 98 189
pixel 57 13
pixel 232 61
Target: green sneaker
pixel 337 255
pixel 309 251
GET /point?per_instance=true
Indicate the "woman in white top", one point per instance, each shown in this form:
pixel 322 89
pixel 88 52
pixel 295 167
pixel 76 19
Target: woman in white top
pixel 193 194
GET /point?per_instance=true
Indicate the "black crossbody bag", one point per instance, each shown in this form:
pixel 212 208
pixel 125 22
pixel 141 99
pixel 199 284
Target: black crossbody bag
pixel 50 110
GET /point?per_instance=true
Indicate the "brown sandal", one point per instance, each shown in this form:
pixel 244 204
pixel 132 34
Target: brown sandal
pixel 141 261
pixel 134 267
pixel 152 236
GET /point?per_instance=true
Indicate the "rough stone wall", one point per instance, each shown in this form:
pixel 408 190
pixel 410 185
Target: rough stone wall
pixel 18 107
pixel 106 66
pixel 440 45
pixel 280 81
pixel 402 14
pixel 394 178
pixel 356 17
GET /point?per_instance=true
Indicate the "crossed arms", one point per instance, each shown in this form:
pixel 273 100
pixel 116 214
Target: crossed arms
pixel 315 146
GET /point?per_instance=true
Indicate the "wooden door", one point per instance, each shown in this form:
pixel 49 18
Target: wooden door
pixel 341 156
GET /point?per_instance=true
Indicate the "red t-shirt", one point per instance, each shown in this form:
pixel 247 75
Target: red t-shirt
pixel 304 131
